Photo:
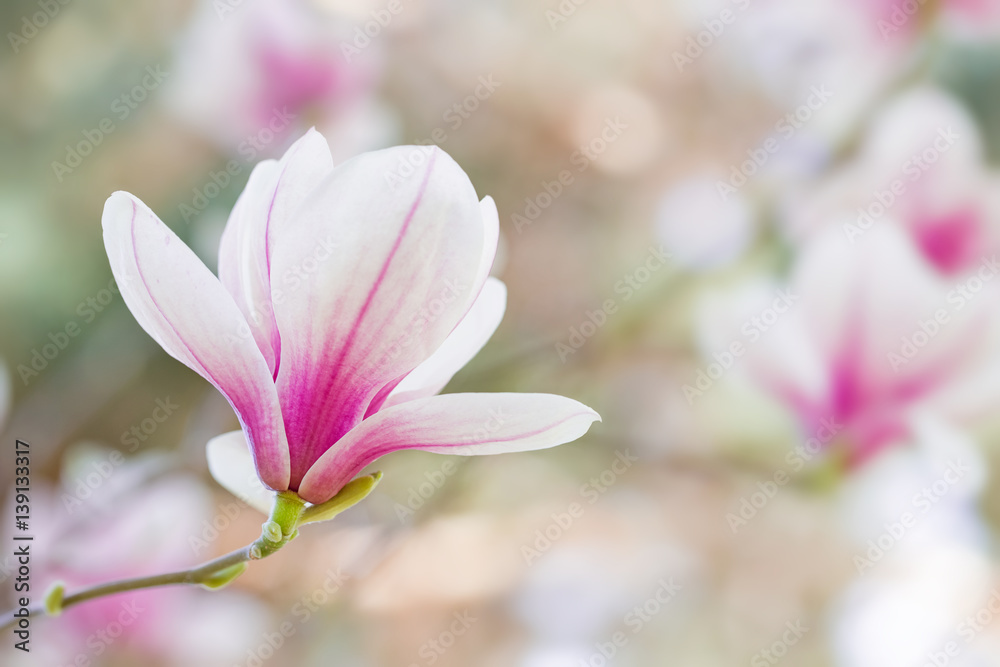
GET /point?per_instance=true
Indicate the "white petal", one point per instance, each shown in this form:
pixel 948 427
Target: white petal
pixel 458 349
pixel 491 237
pixel 231 465
pixel 264 212
pixel 185 308
pixel 243 261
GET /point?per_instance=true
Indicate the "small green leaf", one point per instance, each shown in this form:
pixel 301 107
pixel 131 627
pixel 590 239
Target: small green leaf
pixel 353 492
pixel 224 576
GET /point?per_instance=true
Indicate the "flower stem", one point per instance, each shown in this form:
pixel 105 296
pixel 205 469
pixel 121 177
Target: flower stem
pixel 287 514
pixel 196 575
pixel 276 532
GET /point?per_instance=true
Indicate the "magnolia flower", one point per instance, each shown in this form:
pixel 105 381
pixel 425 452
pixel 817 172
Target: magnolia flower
pixel 268 71
pixel 347 298
pixel 786 50
pixel 862 338
pixel 895 20
pixel 921 165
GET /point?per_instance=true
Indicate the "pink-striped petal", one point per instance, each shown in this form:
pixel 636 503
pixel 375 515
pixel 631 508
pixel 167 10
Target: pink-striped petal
pixel 243 263
pixel 263 212
pixel 462 424
pixel 391 393
pixel 185 308
pixel 458 349
pixel 380 269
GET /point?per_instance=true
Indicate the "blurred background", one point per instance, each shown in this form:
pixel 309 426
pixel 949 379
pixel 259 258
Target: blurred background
pixel 758 236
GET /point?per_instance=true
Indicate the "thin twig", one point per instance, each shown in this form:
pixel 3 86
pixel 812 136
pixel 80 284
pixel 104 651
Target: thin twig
pixel 196 575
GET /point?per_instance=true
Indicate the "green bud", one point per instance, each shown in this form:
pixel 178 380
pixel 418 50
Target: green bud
pixel 224 576
pixel 54 598
pixel 271 531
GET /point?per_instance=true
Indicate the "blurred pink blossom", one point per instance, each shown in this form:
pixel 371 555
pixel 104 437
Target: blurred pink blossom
pixel 266 71
pixel 920 167
pixel 903 19
pixel 875 337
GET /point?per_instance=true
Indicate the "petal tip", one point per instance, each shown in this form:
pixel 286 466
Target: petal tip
pixel 488 207
pixel 120 202
pixel 592 415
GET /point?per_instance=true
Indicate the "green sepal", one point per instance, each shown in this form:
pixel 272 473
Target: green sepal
pixel 353 492
pixel 224 576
